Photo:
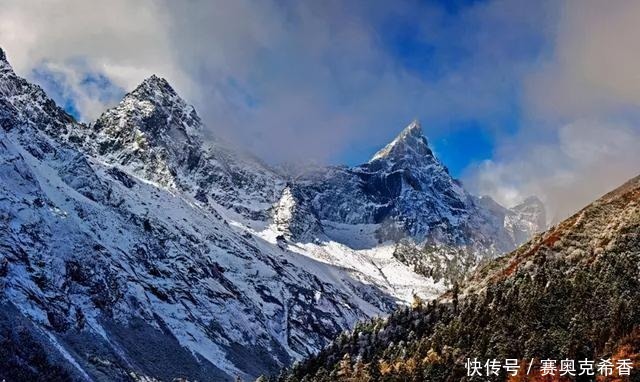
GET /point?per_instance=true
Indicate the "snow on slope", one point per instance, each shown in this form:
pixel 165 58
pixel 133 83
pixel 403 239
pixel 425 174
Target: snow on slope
pixel 158 258
pixel 406 196
pixel 156 135
pixel 127 261
pixel 137 246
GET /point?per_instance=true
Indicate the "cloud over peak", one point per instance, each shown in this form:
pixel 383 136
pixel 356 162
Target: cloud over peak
pixel 333 81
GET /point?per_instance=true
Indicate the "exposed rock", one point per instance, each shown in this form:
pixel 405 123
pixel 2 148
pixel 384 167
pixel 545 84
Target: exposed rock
pixel 137 230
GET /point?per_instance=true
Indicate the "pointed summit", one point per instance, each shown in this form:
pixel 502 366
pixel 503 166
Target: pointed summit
pixel 410 142
pixel 154 108
pixel 414 128
pixel 153 131
pixel 4 63
pixel 155 82
pixel 157 90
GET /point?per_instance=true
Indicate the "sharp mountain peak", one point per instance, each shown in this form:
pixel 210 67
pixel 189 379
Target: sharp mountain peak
pixel 152 130
pixel 154 106
pixel 413 129
pixel 410 142
pixel 156 90
pixel 4 63
pixel 156 83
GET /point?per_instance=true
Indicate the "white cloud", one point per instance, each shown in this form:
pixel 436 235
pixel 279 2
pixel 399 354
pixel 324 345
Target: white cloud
pixel 588 159
pixel 115 33
pixel 595 67
pixel 581 126
pixel 314 80
pixel 298 80
pixel 123 40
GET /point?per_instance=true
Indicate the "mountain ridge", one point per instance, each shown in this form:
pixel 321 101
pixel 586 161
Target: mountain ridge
pixel 135 229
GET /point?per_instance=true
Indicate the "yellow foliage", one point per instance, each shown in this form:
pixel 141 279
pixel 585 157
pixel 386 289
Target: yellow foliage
pixel 417 303
pixel 384 367
pixel 410 365
pixel 431 358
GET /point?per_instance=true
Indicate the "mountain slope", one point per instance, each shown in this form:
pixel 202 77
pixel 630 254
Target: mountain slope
pixel 570 293
pixel 406 196
pixel 132 248
pixel 135 248
pixel 155 135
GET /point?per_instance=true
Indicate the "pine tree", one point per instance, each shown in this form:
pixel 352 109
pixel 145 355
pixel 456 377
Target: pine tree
pixel 344 367
pixel 455 291
pixel 360 373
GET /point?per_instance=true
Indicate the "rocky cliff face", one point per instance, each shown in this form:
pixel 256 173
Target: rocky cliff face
pixel 526 219
pixel 294 218
pixel 156 135
pixel 407 196
pixel 135 248
pixel 404 189
pixel 123 271
pixel 520 222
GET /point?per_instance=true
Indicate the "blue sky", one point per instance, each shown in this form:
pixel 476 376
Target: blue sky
pixel 446 48
pixel 426 45
pixel 517 97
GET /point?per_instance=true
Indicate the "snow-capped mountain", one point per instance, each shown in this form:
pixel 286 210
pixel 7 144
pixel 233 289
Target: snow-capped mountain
pixel 526 219
pixel 135 248
pixel 403 188
pixel 155 135
pixel 521 221
pixel 405 195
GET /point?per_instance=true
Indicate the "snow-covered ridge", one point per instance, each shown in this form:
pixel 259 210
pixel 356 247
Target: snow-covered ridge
pixel 135 230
